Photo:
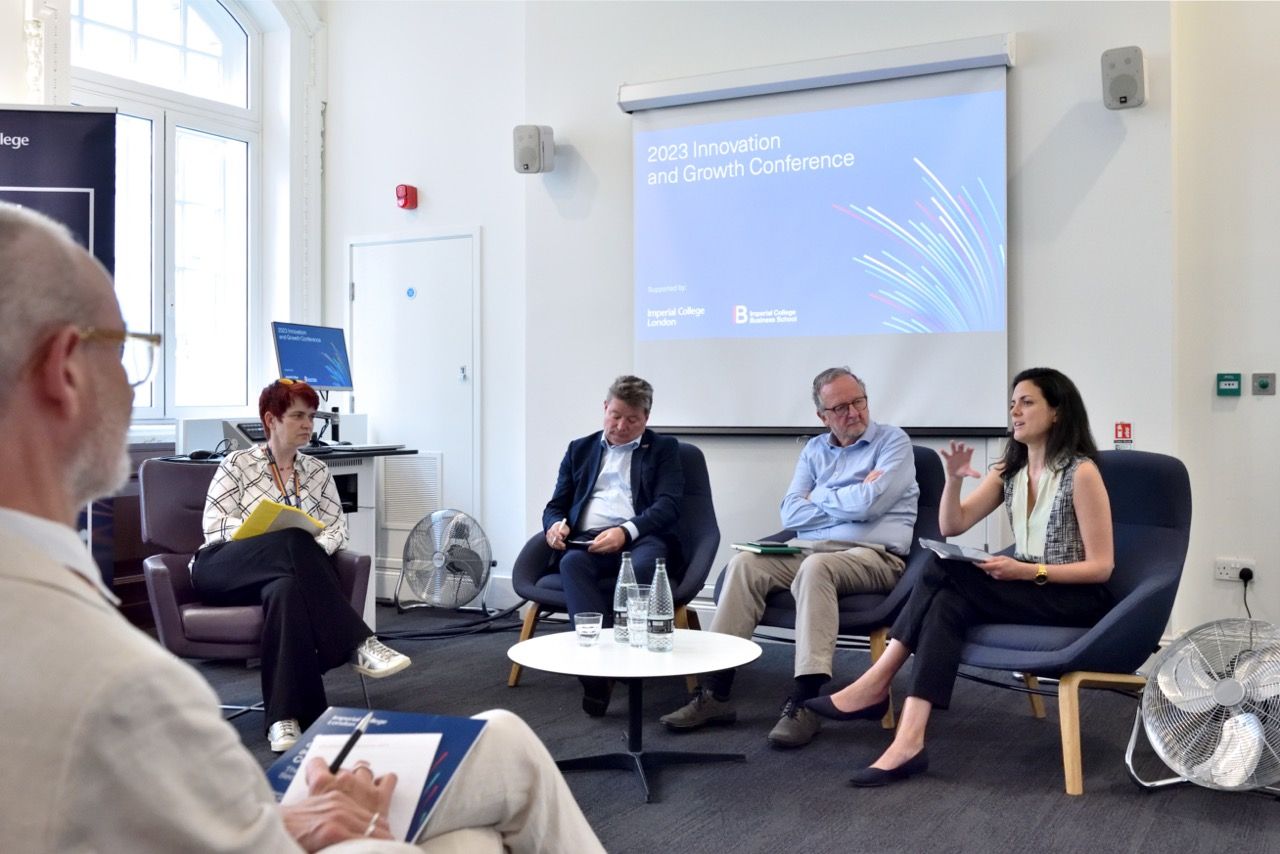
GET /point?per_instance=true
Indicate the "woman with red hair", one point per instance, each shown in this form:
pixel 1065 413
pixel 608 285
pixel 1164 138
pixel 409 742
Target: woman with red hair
pixel 309 624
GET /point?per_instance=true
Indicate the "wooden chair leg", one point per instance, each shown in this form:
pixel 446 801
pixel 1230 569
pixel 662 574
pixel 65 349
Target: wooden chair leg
pixel 526 632
pixel 879 640
pixel 1037 702
pixel 687 618
pixel 1069 717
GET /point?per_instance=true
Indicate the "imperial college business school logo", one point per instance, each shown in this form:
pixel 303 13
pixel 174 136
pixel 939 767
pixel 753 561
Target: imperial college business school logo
pixel 739 314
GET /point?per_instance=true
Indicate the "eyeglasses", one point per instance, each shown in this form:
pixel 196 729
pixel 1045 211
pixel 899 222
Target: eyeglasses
pixel 137 350
pixel 858 403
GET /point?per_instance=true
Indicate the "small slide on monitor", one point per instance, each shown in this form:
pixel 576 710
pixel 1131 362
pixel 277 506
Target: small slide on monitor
pixel 317 355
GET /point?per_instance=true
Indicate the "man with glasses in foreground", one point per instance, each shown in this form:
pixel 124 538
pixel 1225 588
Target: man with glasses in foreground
pixel 854 496
pixel 109 742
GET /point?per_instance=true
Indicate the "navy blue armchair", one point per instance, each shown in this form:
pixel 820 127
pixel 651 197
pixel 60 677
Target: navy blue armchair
pixel 534 574
pixel 871 614
pixel 1151 517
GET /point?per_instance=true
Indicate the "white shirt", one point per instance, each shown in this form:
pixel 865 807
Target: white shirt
pixel 60 543
pixel 610 502
pixel 1029 530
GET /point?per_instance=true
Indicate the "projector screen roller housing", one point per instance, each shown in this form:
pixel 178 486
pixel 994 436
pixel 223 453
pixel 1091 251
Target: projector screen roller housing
pixel 860 225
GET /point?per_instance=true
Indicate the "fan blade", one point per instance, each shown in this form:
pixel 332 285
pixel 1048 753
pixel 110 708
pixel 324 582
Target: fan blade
pixel 1232 763
pixel 1186 685
pixel 1261 676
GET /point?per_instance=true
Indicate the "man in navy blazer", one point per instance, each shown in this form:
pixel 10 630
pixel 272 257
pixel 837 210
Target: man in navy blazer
pixel 621 489
pixel 618 490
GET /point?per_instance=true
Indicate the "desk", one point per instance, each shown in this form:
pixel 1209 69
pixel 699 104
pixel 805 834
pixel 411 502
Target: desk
pixel 355 474
pixel 694 652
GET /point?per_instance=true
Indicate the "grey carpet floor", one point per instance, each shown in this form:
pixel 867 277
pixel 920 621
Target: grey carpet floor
pixel 995 782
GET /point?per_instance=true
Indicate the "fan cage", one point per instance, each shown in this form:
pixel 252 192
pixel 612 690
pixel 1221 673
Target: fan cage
pixel 446 559
pixel 1211 708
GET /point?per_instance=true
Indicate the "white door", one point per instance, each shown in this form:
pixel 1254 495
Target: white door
pixel 414 351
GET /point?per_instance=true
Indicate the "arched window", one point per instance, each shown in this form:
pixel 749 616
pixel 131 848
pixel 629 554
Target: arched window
pixel 194 47
pixel 182 74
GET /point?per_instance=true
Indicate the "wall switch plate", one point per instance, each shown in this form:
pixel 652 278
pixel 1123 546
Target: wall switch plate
pixel 1264 383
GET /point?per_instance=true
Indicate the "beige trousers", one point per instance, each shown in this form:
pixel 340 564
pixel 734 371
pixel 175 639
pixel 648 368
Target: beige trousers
pixel 817 581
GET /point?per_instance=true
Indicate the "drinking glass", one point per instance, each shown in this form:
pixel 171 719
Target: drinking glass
pixel 587 624
pixel 638 615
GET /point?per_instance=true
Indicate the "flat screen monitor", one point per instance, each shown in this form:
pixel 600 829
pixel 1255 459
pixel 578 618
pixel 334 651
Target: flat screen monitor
pixel 316 355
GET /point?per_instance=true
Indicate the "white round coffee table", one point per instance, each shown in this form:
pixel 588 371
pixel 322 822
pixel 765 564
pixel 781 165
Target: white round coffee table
pixel 693 652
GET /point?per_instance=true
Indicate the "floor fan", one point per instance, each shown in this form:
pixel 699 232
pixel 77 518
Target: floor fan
pixel 446 563
pixel 1211 707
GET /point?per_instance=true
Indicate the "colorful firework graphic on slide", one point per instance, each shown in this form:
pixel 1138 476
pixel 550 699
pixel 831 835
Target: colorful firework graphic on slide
pixel 945 271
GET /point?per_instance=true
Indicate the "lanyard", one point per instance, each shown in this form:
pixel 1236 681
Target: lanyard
pixel 275 475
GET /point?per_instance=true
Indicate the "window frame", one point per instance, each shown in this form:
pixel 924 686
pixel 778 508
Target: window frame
pixel 168 110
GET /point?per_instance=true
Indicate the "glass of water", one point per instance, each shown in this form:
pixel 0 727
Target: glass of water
pixel 587 624
pixel 638 615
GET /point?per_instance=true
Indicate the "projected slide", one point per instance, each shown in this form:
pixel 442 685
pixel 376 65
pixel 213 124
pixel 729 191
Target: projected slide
pixel 870 219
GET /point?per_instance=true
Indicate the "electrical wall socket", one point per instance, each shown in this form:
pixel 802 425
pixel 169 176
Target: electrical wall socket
pixel 1228 568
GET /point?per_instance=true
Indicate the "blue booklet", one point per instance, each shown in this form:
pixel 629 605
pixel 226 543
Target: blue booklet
pixel 457 735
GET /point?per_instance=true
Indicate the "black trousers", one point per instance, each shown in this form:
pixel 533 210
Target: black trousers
pixel 309 624
pixel 954 595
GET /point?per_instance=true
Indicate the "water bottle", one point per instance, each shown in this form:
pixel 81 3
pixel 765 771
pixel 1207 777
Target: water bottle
pixel 662 611
pixel 626 579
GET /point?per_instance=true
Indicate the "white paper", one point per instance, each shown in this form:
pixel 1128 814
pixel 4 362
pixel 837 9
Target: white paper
pixel 408 755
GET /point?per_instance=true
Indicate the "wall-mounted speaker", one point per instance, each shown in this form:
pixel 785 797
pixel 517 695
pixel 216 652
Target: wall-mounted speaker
pixel 1124 78
pixel 535 149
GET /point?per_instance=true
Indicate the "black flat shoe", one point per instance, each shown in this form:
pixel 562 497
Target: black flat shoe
pixel 871 777
pixel 596 693
pixel 827 709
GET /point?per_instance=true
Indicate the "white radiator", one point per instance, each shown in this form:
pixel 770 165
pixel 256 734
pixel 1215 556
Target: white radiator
pixel 409 488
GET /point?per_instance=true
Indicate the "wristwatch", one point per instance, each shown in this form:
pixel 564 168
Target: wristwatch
pixel 1042 574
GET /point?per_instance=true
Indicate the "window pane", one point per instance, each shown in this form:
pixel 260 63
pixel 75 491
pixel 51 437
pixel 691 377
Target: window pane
pixel 111 12
pixel 211 275
pixel 160 50
pixel 201 36
pixel 160 19
pixel 134 250
pixel 157 61
pixel 103 49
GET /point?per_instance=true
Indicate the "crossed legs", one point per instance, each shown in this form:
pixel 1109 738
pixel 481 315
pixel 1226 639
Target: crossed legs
pixel 951 597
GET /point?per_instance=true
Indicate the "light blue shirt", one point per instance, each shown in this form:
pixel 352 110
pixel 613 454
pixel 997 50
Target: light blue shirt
pixel 829 498
pixel 610 502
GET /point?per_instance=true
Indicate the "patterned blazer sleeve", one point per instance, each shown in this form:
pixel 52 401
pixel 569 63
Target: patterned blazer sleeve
pixel 223 508
pixel 327 507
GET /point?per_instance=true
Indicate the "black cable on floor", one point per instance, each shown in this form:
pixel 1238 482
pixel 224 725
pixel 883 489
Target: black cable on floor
pixel 484 624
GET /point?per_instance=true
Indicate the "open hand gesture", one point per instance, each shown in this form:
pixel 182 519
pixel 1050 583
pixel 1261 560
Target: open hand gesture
pixel 958 461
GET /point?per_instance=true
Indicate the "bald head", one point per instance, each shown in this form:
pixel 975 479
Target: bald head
pixel 46 280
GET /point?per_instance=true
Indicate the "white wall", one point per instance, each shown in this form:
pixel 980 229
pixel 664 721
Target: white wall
pixel 427 94
pixel 1138 272
pixel 1077 281
pixel 1227 177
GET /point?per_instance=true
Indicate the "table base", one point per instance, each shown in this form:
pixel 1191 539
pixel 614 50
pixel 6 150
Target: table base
pixel 635 758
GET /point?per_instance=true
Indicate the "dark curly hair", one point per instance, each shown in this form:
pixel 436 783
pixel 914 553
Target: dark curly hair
pixel 1069 436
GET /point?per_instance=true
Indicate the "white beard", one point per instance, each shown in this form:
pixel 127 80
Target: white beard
pixel 93 475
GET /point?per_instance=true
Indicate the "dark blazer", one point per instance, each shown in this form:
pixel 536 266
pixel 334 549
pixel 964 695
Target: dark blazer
pixel 657 484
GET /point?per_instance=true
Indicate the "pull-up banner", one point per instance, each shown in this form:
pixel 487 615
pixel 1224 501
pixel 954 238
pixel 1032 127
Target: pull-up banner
pixel 62 162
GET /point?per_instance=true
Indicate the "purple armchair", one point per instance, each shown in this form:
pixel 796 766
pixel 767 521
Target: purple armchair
pixel 172 504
